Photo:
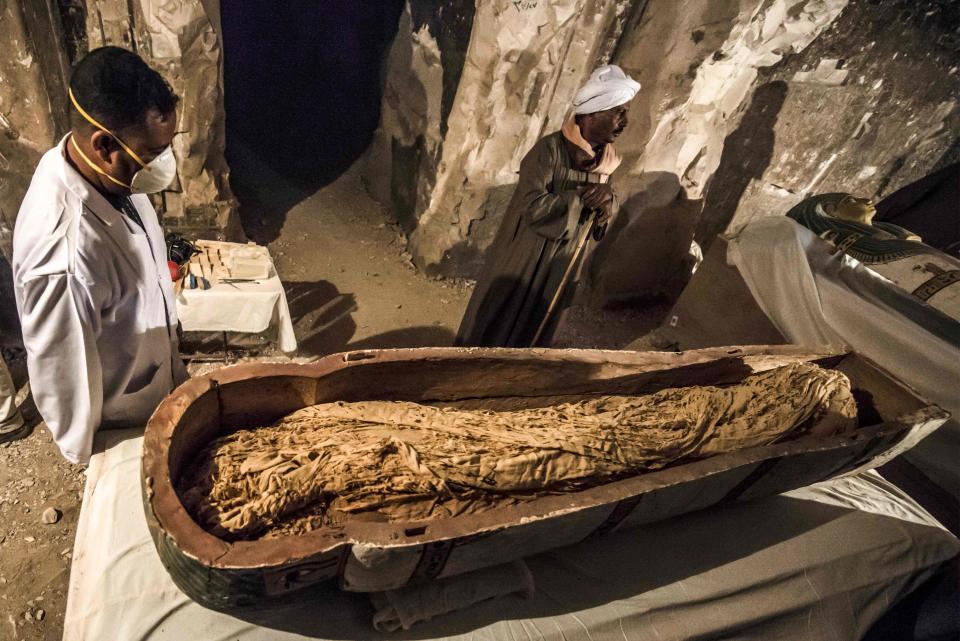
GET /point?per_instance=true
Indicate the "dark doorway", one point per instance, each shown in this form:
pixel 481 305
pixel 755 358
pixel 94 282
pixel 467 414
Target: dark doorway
pixel 302 84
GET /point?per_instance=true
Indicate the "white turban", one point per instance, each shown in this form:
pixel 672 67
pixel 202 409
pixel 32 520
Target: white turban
pixel 608 87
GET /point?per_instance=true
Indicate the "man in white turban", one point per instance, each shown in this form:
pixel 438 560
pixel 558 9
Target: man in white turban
pixel 563 194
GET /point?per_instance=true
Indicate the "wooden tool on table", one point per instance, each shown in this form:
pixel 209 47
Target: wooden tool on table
pixel 206 269
pixel 197 279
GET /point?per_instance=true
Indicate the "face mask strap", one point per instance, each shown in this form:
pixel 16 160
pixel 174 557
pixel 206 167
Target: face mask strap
pixel 96 124
pixel 93 166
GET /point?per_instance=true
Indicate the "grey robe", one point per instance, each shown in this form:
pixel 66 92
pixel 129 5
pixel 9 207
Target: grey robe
pixel 531 252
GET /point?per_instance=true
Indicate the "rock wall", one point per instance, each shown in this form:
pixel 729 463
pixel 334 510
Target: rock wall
pixel 760 103
pixel 692 99
pixel 447 172
pixel 182 41
pixel 33 76
pixel 746 106
pixel 402 162
pixel 867 108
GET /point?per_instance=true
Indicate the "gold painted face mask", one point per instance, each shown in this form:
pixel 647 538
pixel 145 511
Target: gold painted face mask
pixel 859 210
pixel 152 177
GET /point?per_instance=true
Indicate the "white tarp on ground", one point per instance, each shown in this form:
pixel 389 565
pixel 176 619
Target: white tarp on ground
pixel 816 297
pixel 818 563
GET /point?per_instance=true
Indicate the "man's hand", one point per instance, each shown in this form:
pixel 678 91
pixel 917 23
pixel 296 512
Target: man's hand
pixel 597 196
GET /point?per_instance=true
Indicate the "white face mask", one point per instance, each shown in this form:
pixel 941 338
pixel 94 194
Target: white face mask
pixel 152 177
pixel 156 175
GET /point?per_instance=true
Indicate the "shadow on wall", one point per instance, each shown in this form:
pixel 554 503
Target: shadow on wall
pixel 647 253
pixel 302 89
pixel 466 259
pixel 747 152
pixel 647 245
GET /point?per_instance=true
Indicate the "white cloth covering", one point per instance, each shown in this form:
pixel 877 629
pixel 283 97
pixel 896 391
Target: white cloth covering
pixel 816 297
pixel 239 307
pixel 96 305
pixel 607 87
pixel 402 609
pixel 818 563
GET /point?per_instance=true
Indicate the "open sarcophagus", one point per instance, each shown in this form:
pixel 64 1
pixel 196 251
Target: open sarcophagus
pixel 364 555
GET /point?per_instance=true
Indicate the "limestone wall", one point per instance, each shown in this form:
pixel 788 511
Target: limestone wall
pixel 887 117
pixel 799 98
pixel 447 174
pixel 691 100
pixel 746 105
pixel 182 41
pixel 32 79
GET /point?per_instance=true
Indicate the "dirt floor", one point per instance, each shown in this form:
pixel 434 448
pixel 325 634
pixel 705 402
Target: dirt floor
pixel 34 555
pixel 350 285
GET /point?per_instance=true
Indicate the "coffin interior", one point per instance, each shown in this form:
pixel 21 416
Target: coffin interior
pixel 250 396
pixel 260 400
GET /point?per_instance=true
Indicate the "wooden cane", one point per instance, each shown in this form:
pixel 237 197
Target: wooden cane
pixel 563 281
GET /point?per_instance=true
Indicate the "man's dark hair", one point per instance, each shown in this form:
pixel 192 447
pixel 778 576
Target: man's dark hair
pixel 118 89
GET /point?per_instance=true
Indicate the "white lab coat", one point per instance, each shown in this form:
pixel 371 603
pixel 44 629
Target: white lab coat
pixel 96 305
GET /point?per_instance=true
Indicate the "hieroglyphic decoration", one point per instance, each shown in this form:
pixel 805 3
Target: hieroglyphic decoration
pixel 922 271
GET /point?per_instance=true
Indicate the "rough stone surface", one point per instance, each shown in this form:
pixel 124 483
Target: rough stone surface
pixel 405 149
pixel 692 99
pixel 181 40
pixel 893 120
pixel 890 120
pixel 450 176
pixel 33 78
pixel 746 106
pixel 813 97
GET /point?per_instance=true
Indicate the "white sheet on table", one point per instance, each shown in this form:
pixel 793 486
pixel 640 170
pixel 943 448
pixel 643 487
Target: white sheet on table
pixel 816 297
pixel 239 307
pixel 818 563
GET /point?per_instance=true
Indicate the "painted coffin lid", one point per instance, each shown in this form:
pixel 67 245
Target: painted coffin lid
pixel 929 275
pixel 364 556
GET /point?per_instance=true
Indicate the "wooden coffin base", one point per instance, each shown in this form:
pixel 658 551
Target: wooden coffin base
pixel 363 556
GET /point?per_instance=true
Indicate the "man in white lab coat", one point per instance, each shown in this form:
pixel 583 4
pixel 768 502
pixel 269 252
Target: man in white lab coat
pixel 89 260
